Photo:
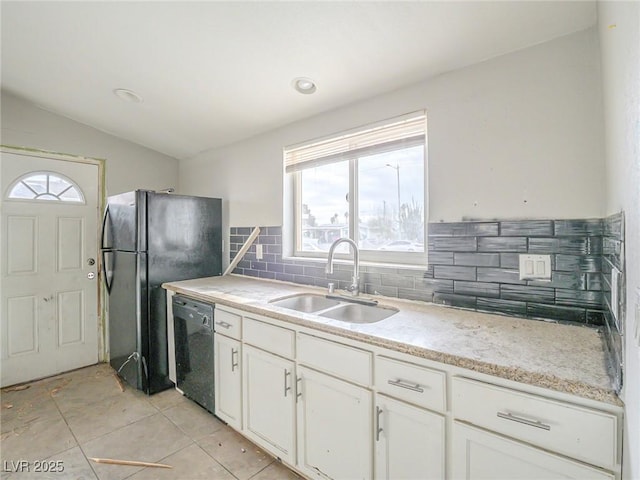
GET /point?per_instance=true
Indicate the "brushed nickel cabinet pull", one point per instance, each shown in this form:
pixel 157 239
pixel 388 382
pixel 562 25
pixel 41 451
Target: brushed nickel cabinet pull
pixel 234 359
pixel 378 428
pixel 298 388
pixel 409 386
pixel 525 421
pixel 286 384
pixel 223 324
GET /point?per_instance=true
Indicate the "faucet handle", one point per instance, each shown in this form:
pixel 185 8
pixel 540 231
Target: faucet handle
pixel 332 287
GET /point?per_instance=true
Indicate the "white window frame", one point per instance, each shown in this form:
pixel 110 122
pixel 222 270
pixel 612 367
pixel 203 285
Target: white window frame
pixel 338 149
pixel 50 196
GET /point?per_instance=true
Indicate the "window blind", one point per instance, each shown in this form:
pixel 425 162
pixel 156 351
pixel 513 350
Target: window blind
pixel 396 134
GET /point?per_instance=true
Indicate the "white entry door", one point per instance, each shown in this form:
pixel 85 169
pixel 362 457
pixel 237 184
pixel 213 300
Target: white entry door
pixel 49 266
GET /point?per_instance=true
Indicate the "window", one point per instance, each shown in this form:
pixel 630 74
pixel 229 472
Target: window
pixel 45 186
pixel 367 185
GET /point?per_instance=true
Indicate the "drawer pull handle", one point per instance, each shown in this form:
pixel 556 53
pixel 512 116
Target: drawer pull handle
pixel 298 388
pixel 525 421
pixel 223 324
pixel 409 386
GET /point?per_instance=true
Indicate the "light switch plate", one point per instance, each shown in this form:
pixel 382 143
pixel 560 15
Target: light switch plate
pixel 535 267
pixel 259 254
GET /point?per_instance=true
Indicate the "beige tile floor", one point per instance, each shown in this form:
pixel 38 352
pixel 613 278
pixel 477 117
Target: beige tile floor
pixel 82 414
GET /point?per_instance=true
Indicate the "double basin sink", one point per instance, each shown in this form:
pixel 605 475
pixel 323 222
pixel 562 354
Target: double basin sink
pixel 337 308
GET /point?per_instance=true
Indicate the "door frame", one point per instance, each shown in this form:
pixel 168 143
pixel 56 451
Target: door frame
pixel 102 194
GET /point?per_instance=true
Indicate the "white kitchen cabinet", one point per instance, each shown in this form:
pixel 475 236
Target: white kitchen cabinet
pixel 410 441
pixel 334 427
pixel 228 380
pixel 478 454
pixel 269 401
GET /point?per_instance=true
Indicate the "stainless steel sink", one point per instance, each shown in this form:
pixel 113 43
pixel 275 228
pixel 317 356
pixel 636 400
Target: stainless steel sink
pixel 356 313
pixel 305 302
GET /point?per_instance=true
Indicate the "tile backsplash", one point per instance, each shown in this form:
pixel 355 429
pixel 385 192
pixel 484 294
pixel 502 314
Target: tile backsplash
pixel 474 265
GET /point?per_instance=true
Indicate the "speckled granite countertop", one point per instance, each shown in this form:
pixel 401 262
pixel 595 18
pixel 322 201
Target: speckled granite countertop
pixel 564 358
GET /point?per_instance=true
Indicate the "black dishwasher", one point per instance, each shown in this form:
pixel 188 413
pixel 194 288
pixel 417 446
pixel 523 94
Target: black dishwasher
pixel 193 330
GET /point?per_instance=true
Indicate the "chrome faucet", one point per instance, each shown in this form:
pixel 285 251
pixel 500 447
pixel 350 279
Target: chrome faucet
pixel 354 288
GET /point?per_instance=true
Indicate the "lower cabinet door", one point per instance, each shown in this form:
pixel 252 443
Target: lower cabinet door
pixel 228 380
pixel 478 454
pixel 410 441
pixel 334 428
pixel 269 402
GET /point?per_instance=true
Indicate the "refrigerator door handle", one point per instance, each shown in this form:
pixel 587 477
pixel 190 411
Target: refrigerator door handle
pixel 105 275
pixel 104 227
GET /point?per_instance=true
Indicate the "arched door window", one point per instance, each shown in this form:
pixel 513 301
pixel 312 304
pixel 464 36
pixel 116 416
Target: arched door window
pixel 45 186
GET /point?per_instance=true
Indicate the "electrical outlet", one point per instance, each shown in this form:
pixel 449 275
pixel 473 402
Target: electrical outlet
pixel 535 267
pixel 259 253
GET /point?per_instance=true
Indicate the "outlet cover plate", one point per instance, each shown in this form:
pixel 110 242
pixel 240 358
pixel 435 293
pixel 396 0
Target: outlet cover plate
pixel 535 267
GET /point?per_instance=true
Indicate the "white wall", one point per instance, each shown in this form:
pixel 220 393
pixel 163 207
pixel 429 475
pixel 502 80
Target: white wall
pixel 619 30
pixel 519 136
pixel 128 166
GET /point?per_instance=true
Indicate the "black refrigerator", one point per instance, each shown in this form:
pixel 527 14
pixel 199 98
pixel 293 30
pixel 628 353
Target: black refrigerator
pixel 149 238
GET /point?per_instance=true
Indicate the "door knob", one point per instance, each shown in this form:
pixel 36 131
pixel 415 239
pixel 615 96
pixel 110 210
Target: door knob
pixel 91 275
pixel 91 261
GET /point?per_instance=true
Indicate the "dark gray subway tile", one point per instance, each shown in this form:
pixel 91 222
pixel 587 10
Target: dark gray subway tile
pixel 477 259
pixel 275 249
pixel 373 278
pixel 500 275
pixel 237 239
pixel 440 258
pixel 266 274
pixel 567 245
pixel 387 291
pixel 238 271
pixel 463 229
pixel 285 277
pixel 476 289
pixel 434 285
pixel 397 281
pixel 568 228
pixel 502 244
pixel 454 272
pixel 321 282
pixel 304 279
pixel 244 230
pixel 453 244
pixel 526 228
pixel 527 293
pixel 595 317
pixel 460 301
pixel 233 230
pixel 294 269
pixel 269 240
pixel 579 298
pixel 244 264
pixel 274 230
pixel 555 312
pixel 614 226
pixel 423 295
pixel 573 280
pixel 611 246
pixel 255 265
pixel 498 305
pixel 275 267
pixel 314 271
pixel 510 260
pixel 580 263
pixel 269 257
pixel 251 273
pixel 594 281
pixel 594 245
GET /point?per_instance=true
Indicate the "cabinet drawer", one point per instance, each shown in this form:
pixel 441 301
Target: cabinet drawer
pixel 227 323
pixel 337 359
pixel 412 383
pixel 273 339
pixel 579 432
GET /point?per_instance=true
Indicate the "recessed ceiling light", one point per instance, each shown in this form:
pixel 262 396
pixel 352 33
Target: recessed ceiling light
pixel 304 85
pixel 127 95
